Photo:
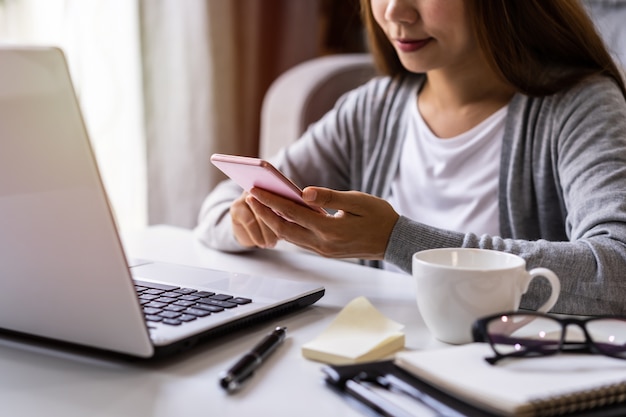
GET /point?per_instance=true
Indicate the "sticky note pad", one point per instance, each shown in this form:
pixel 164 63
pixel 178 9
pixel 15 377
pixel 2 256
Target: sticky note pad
pixel 359 333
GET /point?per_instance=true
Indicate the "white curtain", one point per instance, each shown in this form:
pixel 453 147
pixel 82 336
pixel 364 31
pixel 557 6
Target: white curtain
pixel 207 64
pixel 101 41
pixel 184 103
pixel 165 83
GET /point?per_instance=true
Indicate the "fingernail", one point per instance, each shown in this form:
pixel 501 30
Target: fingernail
pixel 309 194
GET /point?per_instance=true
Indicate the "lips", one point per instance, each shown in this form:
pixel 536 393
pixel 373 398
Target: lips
pixel 411 45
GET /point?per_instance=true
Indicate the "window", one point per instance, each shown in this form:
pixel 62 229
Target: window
pixel 101 42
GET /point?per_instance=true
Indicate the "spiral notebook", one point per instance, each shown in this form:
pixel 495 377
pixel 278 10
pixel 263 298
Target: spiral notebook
pixel 532 387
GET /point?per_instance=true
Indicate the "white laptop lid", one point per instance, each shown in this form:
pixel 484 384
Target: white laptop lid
pixel 63 272
pixel 54 216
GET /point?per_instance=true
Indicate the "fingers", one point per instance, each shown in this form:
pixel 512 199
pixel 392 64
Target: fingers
pixel 360 227
pixel 285 207
pixel 248 229
pixel 337 200
pixel 281 227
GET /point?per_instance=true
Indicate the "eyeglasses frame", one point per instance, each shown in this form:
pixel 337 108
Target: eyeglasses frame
pixel 480 334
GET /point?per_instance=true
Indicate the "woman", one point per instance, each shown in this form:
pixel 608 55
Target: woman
pixel 497 125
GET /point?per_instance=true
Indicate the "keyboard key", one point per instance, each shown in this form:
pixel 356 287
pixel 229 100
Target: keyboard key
pixel 151 310
pixel 185 291
pixel 221 297
pixel 183 303
pixel 153 291
pixel 173 307
pixel 148 297
pixel 172 322
pixel 169 314
pixel 155 304
pixel 150 317
pixel 207 307
pixel 204 294
pixel 187 317
pixel 166 300
pixel 197 312
pixel 209 301
pixel 189 297
pixel 240 300
pixel 170 294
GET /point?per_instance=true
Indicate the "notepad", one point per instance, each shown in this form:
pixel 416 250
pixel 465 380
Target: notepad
pixel 523 387
pixel 359 333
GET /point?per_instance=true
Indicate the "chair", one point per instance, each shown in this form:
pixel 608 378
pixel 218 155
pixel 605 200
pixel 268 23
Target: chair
pixel 609 17
pixel 302 94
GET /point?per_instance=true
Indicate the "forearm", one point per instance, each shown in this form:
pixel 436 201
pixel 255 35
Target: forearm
pixel 214 227
pixel 590 269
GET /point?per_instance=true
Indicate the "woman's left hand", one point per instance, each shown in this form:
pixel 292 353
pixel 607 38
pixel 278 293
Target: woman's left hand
pixel 359 229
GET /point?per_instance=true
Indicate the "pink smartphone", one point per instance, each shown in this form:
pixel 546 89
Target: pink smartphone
pixel 254 172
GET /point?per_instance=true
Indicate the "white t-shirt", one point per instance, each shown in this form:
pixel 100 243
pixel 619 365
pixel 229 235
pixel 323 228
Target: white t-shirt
pixel 450 183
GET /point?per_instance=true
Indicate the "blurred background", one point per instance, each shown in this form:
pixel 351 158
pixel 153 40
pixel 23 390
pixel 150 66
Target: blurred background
pixel 163 84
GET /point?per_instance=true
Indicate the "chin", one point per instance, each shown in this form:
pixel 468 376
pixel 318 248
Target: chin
pixel 416 69
pixel 413 65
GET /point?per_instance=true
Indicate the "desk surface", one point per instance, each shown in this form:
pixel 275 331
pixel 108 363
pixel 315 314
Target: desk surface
pixel 38 380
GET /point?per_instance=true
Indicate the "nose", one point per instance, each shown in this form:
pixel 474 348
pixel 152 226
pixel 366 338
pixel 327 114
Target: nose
pixel 401 11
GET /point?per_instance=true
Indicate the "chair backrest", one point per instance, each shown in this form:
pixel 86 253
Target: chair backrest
pixel 302 95
pixel 609 16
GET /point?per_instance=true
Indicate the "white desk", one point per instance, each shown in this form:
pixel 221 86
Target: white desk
pixel 36 380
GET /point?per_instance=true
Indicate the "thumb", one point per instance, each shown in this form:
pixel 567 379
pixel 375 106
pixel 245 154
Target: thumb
pixel 327 198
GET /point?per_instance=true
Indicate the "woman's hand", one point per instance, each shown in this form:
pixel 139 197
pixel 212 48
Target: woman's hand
pixel 249 230
pixel 359 229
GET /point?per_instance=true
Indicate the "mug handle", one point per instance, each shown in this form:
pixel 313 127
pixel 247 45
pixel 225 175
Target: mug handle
pixel 554 282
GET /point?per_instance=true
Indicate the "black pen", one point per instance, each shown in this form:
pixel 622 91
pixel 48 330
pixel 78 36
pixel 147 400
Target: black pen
pixel 232 379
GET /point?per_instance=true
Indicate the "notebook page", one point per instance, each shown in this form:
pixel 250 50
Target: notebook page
pixel 516 387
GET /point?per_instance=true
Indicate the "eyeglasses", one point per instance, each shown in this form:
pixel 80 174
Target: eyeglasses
pixel 529 334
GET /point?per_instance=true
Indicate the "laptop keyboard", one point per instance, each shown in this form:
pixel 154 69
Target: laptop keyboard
pixel 173 305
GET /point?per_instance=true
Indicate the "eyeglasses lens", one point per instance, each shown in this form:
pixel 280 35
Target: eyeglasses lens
pixel 609 336
pixel 524 334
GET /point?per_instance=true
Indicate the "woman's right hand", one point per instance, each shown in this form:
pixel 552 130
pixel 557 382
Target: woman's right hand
pixel 249 230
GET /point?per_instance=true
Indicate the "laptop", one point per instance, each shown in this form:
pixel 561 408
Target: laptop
pixel 64 275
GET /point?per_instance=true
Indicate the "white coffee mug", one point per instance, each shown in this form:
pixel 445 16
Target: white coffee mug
pixel 456 286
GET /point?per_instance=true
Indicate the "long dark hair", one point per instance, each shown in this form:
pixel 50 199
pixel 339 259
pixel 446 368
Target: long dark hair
pixel 538 46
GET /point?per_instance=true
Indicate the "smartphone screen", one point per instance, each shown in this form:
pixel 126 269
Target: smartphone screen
pixel 251 172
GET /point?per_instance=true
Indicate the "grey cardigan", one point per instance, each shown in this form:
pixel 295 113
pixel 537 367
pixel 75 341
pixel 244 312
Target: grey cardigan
pixel 562 192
